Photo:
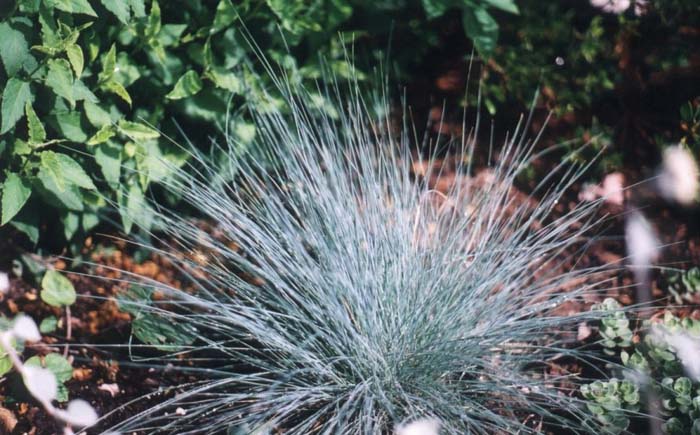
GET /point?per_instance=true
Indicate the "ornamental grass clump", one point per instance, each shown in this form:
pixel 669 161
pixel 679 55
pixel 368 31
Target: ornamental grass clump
pixel 336 291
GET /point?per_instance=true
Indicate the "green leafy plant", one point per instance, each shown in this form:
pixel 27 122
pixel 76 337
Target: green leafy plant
pixel 89 85
pixel 152 328
pixel 614 325
pixel 684 285
pixel 57 290
pixel 59 366
pixel 479 25
pixel 657 363
pixel 43 376
pixel 611 402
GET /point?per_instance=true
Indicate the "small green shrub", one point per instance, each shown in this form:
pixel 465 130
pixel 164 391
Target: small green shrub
pixel 591 68
pixel 653 363
pixel 683 285
pixel 614 326
pixel 611 401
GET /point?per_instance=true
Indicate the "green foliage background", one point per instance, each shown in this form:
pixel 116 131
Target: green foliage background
pixel 618 402
pixel 88 88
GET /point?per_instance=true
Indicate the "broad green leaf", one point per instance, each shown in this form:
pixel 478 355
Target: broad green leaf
pixel 48 50
pixel 92 46
pixel 89 221
pixel 133 298
pixel 103 135
pixel 207 55
pixel 13 48
pixel 73 6
pixel 37 133
pixel 154 21
pixel 15 193
pixel 61 369
pixel 59 366
pixel 97 116
pixel 109 63
pixel 57 290
pixel 29 6
pixel 158 162
pixel 187 85
pixel 504 5
pixel 225 79
pixel 49 30
pixel 5 363
pixel 170 34
pixel 138 7
pixel 48 325
pixel 159 50
pixel 225 15
pixel 435 8
pixel 162 333
pixel 133 207
pixel 482 29
pixel 117 88
pixel 122 199
pixel 207 105
pixel 294 16
pixel 27 222
pixel 65 171
pixel 75 56
pixel 16 94
pixel 68 197
pixel 71 224
pixel 82 92
pixel 60 79
pixel 150 328
pixel 127 71
pixel 120 8
pixel 70 34
pixel 137 130
pixel 70 124
pixel 108 156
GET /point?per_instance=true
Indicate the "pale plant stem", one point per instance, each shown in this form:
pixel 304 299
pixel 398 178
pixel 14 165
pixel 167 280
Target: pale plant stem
pixel 68 331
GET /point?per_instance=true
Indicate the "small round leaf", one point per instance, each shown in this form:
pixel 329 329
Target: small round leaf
pixel 57 290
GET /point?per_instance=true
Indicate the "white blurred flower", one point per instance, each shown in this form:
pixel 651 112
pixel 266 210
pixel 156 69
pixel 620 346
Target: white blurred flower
pixel 41 383
pixel 584 331
pixel 620 6
pixel 80 413
pixel 678 177
pixel 4 282
pixel 611 190
pixel 589 192
pixel 424 426
pixel 642 244
pixel 25 329
pixel 112 389
pixel 687 349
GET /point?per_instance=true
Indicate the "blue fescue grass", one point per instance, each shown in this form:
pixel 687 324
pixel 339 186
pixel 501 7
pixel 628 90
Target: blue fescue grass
pixel 376 300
